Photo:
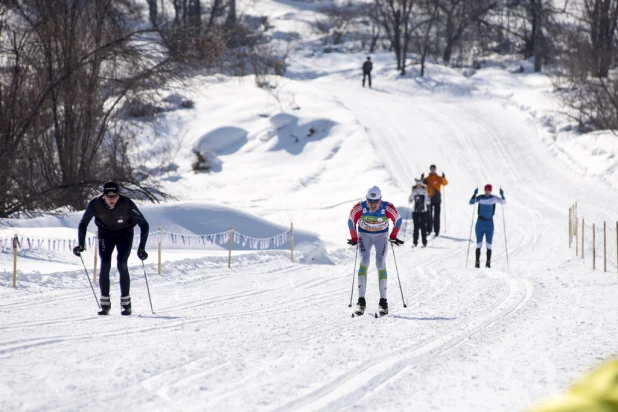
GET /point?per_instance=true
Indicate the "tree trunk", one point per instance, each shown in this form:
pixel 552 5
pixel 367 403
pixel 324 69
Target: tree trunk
pixel 538 34
pixel 231 17
pixel 450 36
pixel 152 12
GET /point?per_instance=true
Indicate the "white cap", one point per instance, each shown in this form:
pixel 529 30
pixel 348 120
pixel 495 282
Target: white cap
pixel 374 193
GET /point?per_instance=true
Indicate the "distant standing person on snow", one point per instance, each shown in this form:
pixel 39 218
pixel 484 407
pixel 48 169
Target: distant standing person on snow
pixel 372 216
pixel 115 216
pixel 367 67
pixel 420 198
pixel 485 222
pixel 434 187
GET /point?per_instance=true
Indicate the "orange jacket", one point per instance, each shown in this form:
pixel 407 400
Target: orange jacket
pixel 435 182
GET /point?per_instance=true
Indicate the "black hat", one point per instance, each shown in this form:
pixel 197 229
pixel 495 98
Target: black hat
pixel 432 166
pixel 110 188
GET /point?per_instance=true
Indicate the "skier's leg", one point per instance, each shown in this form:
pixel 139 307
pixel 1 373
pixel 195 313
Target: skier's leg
pixel 364 246
pixel 489 236
pixel 436 218
pixel 478 229
pixel 423 224
pixel 369 78
pixel 417 226
pixel 106 248
pixel 364 76
pixel 381 244
pixel 123 246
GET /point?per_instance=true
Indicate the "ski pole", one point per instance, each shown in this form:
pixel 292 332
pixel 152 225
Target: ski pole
pixel 470 237
pixel 444 188
pixel 399 280
pixel 147 288
pixel 89 281
pixel 506 246
pixel 353 277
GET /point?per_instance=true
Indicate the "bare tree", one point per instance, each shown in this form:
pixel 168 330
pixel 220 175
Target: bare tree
pixel 396 20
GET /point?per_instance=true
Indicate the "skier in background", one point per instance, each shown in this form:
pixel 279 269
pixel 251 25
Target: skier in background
pixel 434 186
pixel 421 200
pixel 372 216
pixel 115 216
pixel 485 221
pixel 367 67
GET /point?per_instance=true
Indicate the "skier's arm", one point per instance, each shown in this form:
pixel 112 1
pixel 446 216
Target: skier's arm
pixel 355 214
pixel 144 227
pixel 83 224
pixel 474 199
pixel 393 214
pixel 444 181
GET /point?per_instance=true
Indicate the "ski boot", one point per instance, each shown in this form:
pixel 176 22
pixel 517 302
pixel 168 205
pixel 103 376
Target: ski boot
pixel 477 264
pixel 488 263
pixel 360 307
pixel 125 305
pixel 106 306
pixel 383 308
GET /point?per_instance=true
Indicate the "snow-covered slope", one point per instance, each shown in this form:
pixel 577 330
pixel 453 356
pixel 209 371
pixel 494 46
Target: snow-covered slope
pixel 270 334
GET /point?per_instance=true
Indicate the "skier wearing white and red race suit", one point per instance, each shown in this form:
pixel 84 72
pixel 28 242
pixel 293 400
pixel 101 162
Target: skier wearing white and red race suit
pixel 372 216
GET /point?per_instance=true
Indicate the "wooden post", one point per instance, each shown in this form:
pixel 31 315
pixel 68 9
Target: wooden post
pixel 159 240
pixel 292 241
pixel 594 248
pixel 15 243
pixel 576 237
pixel 570 226
pixel 583 224
pixel 96 255
pixel 229 246
pixel 604 247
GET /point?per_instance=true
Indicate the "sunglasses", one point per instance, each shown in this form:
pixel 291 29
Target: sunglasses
pixel 111 196
pixel 373 201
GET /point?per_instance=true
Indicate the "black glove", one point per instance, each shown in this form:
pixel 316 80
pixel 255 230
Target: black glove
pixel 501 192
pixel 443 176
pixel 352 242
pixel 77 250
pixel 422 177
pixel 142 254
pixel 396 241
pixel 476 192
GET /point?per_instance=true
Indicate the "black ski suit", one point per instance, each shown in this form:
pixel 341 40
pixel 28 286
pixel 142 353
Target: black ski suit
pixel 367 67
pixel 115 231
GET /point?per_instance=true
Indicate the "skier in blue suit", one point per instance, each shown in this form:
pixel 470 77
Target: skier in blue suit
pixel 485 221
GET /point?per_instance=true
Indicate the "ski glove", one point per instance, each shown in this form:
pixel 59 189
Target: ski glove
pixel 352 242
pixel 501 192
pixel 77 250
pixel 396 241
pixel 142 254
pixel 444 177
pixel 476 191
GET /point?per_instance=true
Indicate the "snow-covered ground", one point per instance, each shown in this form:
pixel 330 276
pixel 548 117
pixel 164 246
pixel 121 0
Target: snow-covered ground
pixel 271 334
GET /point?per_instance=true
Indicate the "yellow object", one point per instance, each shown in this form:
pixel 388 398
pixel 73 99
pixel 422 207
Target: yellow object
pixel 596 392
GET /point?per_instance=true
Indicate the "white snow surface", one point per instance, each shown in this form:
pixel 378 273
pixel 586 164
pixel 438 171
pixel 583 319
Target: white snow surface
pixel 271 334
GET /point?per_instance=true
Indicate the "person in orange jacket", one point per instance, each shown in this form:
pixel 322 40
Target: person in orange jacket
pixel 434 187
